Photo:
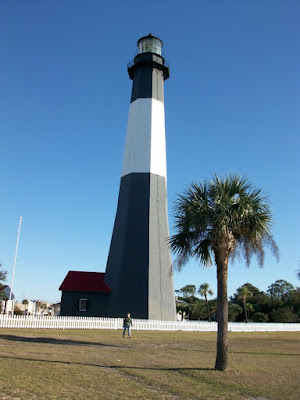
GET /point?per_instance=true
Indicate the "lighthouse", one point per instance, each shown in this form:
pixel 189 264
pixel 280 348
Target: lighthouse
pixel 139 268
pixel 138 277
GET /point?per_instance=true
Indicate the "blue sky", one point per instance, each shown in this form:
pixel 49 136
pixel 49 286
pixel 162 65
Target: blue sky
pixel 230 105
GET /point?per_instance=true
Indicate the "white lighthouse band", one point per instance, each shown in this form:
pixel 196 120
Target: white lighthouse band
pixel 145 146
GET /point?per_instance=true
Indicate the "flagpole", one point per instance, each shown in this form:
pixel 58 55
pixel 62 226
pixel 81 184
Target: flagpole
pixel 15 260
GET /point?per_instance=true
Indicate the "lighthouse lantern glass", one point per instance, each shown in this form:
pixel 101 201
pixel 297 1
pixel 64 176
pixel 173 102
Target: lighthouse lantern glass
pixel 150 45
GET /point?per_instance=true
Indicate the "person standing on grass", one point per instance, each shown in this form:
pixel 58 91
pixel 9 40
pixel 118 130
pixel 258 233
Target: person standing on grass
pixel 127 323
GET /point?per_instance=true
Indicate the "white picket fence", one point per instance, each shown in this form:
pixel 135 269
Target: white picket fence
pixel 43 322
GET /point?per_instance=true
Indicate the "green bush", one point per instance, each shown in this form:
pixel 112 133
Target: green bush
pixel 260 317
pixel 17 311
pixel 284 314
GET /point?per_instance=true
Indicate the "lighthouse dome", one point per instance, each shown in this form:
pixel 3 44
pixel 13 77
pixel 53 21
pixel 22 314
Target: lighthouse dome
pixel 150 44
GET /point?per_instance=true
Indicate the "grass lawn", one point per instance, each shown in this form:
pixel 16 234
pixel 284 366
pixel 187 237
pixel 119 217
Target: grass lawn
pixel 99 364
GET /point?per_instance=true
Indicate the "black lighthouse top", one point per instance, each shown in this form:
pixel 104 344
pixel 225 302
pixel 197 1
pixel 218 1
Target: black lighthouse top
pixel 149 54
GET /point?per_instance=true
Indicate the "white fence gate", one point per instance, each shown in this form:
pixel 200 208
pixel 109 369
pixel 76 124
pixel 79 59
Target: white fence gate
pixel 43 322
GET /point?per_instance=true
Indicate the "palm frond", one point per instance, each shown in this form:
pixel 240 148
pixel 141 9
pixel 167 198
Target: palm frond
pixel 227 210
pixel 202 252
pixel 180 262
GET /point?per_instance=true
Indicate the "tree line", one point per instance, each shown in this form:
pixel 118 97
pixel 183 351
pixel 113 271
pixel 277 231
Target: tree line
pixel 280 303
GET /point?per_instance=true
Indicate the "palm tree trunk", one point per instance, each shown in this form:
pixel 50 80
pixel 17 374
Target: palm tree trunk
pixel 208 310
pixel 222 315
pixel 245 311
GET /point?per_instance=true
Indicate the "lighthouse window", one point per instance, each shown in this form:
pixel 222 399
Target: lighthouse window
pixel 82 304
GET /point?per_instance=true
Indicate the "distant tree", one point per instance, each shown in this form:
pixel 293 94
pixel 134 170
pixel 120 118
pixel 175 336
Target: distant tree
pixel 253 289
pixel 25 303
pixel 189 305
pixel 280 291
pixel 222 218
pixel 249 309
pixel 244 294
pixel 284 314
pixel 204 291
pixel 294 300
pixel 3 275
pixel 260 317
pixel 195 311
pixel 213 305
pixel 188 291
pixel 233 311
pixel 259 300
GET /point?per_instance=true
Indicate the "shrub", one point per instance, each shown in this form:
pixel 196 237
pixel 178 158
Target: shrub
pixel 17 311
pixel 260 317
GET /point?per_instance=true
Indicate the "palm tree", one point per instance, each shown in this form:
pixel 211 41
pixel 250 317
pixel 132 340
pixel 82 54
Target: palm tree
pixel 245 293
pixel 249 309
pixel 222 218
pixel 203 291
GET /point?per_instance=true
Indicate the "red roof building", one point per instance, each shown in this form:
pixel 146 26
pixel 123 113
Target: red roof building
pixel 81 281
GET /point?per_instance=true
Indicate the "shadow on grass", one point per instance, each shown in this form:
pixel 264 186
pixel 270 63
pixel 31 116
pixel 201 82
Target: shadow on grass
pixel 263 353
pixel 113 367
pixel 28 339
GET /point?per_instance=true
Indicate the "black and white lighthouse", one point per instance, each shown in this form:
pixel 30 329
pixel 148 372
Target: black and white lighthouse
pixel 139 268
pixel 138 277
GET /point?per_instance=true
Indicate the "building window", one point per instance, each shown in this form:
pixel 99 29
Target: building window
pixel 82 304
